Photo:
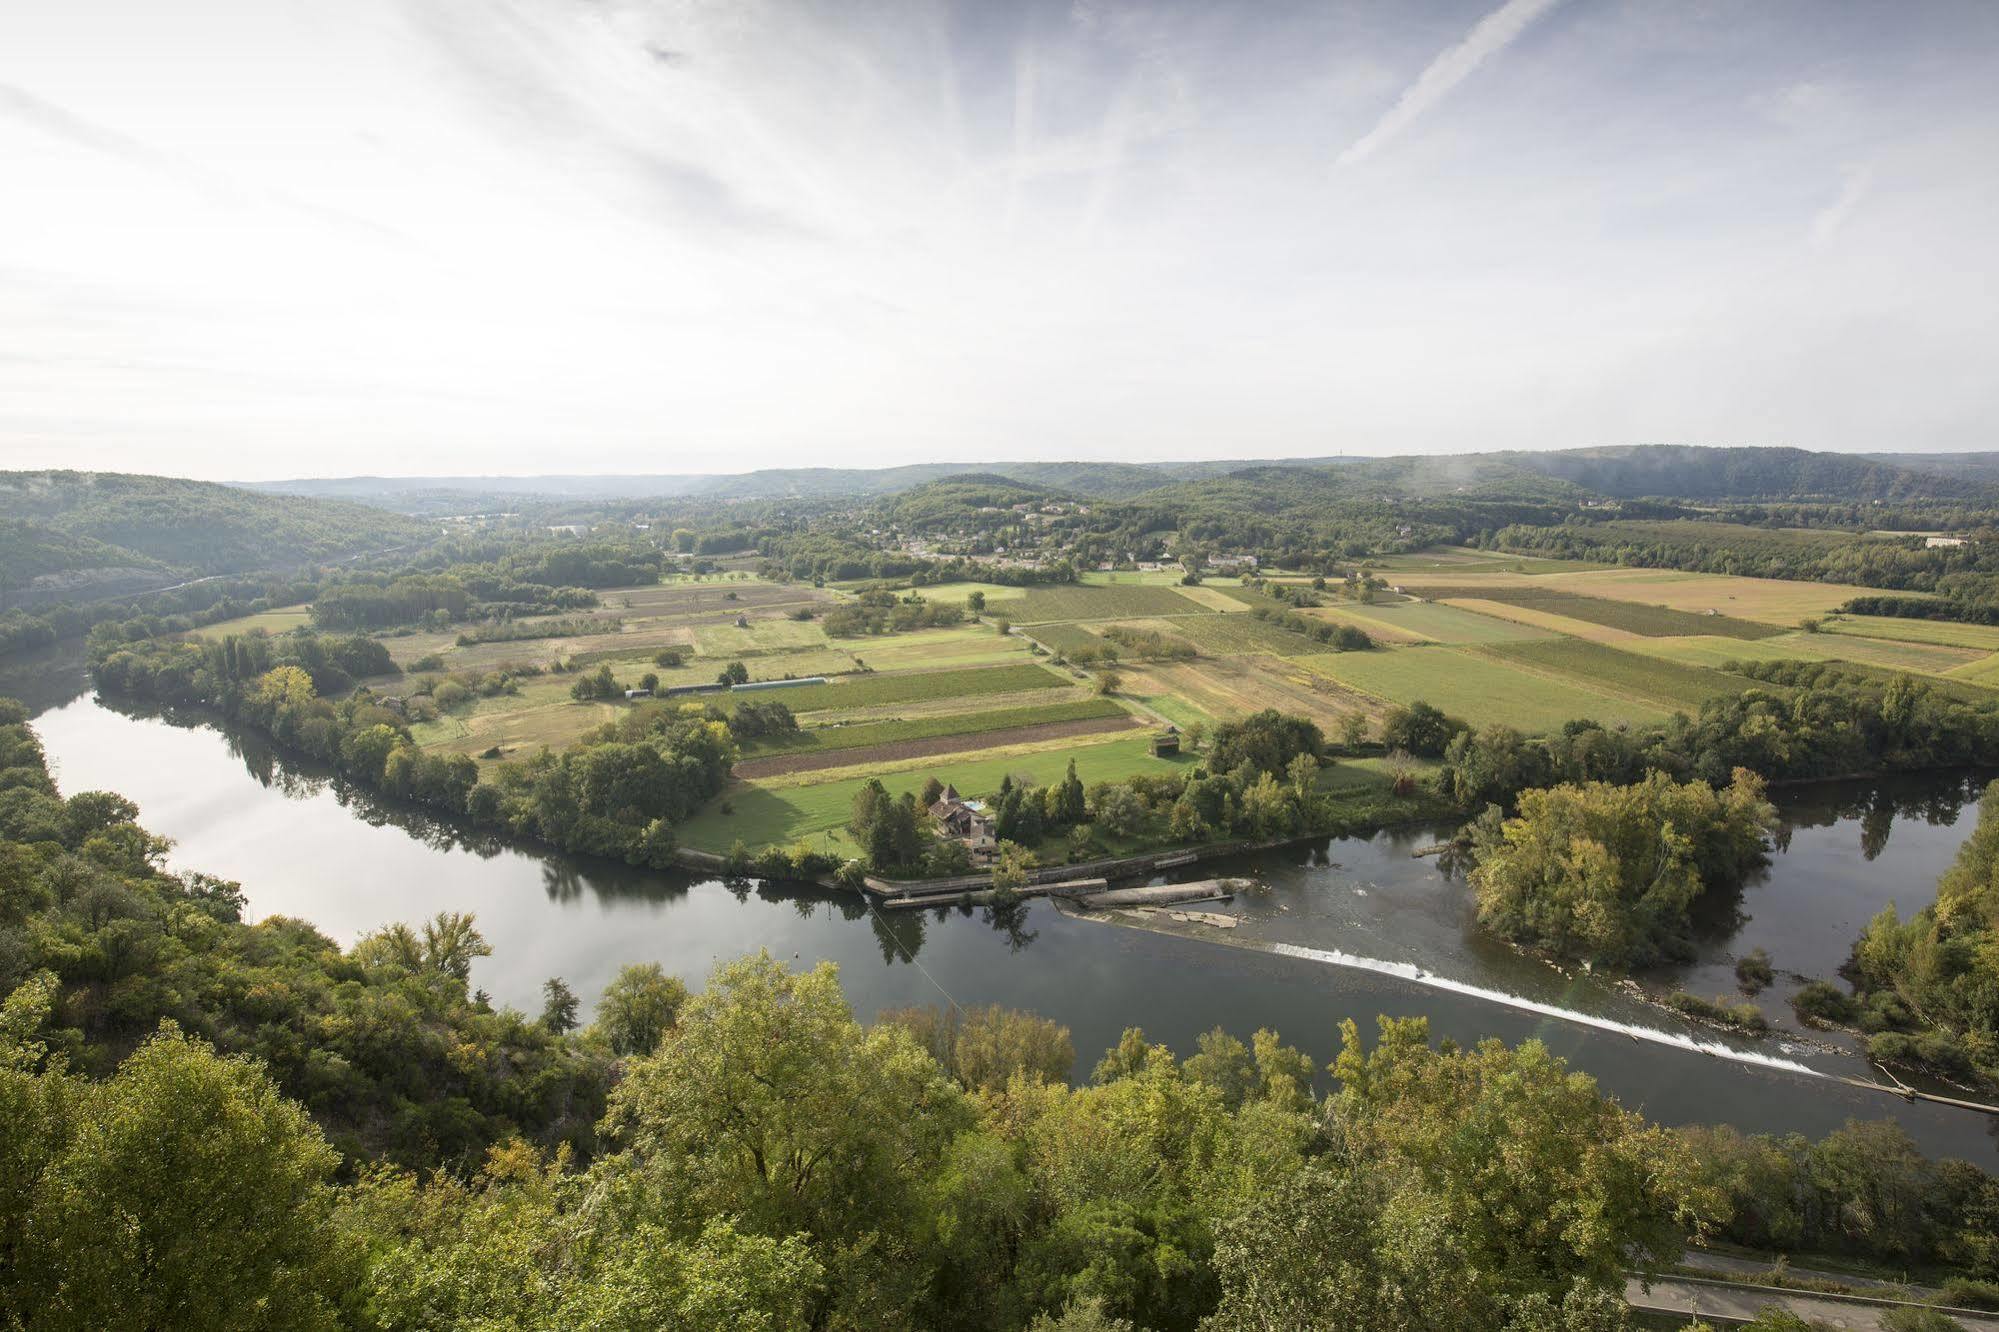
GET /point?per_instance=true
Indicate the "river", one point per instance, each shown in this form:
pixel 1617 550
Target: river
pixel 303 843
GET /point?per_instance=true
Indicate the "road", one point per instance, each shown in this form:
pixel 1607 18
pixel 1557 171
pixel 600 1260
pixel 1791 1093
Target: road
pixel 1691 1296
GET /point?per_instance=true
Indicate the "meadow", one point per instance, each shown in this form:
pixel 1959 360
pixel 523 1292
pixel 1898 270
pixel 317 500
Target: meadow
pixel 1529 643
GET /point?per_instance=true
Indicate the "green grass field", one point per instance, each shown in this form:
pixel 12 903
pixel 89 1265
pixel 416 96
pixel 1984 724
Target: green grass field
pixel 764 814
pixel 1612 670
pixel 1478 686
pixel 862 735
pixel 861 691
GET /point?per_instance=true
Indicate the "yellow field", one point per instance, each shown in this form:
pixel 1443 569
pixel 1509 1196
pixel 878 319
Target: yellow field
pixel 1769 600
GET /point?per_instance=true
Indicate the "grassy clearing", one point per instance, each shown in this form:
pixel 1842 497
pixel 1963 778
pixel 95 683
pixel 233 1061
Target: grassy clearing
pixel 863 735
pixel 1630 616
pixel 270 621
pixel 1427 621
pixel 1479 687
pixel 862 691
pixel 783 811
pixel 727 641
pixel 1942 633
pixel 1608 670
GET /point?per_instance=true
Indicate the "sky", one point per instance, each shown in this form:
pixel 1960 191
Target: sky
pixel 247 239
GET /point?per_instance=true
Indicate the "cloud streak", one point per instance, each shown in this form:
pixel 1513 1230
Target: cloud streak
pixel 1491 35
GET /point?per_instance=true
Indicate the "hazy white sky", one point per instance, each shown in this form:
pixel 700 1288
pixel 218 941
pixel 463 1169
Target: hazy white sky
pixel 257 238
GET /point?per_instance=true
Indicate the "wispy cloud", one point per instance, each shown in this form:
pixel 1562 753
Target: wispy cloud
pixel 1828 220
pixel 1491 35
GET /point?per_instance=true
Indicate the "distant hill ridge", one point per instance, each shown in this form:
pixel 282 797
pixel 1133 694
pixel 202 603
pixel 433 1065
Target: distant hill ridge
pixel 1618 472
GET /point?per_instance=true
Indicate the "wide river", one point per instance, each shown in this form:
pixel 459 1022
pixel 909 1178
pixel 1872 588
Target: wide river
pixel 1365 927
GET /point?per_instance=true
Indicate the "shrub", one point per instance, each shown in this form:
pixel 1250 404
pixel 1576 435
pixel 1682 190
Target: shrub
pixel 1823 1004
pixel 1753 972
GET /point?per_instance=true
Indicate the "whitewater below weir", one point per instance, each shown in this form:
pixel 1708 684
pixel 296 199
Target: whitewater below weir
pixel 1414 974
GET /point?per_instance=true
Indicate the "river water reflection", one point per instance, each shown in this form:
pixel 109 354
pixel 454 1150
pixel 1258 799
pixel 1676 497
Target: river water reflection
pixel 305 844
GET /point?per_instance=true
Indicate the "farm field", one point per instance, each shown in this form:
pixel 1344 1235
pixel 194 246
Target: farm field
pixel 729 640
pixel 1497 639
pixel 1547 622
pixel 1630 616
pixel 1123 601
pixel 1228 688
pixel 1431 622
pixel 1478 686
pixel 1769 600
pixel 1232 635
pixel 1984 671
pixel 773 812
pixel 1609 670
pixel 881 687
pixel 863 735
pixel 998 739
pixel 1945 633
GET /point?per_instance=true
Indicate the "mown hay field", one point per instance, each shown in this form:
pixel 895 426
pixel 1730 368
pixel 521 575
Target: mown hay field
pixel 1479 686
